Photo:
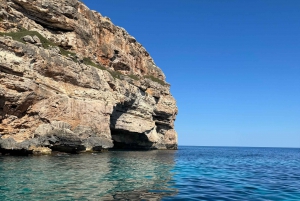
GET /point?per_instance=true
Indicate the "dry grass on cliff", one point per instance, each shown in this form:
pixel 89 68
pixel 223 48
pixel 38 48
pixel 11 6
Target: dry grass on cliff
pixel 132 76
pixel 116 74
pixel 154 79
pixel 18 36
pixel 23 32
pixel 88 61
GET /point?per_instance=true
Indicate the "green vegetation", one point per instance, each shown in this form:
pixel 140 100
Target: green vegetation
pixel 23 32
pixel 154 79
pixel 132 76
pixel 88 61
pixel 116 74
pixel 67 53
pixel 45 42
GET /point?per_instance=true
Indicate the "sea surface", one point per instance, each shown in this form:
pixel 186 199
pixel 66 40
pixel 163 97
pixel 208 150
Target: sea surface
pixel 190 173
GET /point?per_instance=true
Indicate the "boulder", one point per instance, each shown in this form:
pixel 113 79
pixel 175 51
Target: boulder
pixel 29 39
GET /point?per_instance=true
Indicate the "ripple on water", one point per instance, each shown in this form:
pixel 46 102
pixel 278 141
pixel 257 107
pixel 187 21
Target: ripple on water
pixel 191 173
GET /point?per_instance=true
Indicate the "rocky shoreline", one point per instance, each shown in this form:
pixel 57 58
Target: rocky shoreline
pixel 72 81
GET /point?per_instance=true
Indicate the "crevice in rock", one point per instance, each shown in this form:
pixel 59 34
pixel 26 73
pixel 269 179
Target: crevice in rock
pixel 7 70
pixel 16 152
pixel 40 19
pixel 13 106
pixel 2 104
pixel 112 86
pixel 68 149
pixel 160 120
pixel 19 54
pixel 45 120
pixel 113 58
pixel 120 66
pixel 160 127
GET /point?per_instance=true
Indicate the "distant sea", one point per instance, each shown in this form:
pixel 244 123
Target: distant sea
pixel 190 173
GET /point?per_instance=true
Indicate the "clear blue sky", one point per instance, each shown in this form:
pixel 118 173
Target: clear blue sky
pixel 234 65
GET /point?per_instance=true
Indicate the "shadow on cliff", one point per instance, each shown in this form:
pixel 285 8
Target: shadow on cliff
pixel 124 139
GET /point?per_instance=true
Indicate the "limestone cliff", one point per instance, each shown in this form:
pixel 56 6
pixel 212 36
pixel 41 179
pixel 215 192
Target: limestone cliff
pixel 70 80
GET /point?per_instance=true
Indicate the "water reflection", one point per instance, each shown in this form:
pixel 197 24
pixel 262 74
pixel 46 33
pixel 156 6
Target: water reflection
pixel 141 175
pixel 103 176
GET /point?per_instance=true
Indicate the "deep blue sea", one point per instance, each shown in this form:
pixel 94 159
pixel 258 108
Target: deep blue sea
pixel 190 173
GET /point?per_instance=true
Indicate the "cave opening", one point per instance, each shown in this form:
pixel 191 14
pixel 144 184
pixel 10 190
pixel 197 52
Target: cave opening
pixel 124 139
pixel 120 66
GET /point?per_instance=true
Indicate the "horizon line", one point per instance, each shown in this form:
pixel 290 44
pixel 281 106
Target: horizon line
pixel 237 146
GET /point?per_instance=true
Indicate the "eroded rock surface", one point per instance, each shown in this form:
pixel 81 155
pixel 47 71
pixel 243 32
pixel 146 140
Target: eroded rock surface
pixel 72 81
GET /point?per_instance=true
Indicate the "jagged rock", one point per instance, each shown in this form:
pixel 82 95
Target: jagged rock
pixel 97 143
pixel 40 150
pixel 54 50
pixel 28 39
pixel 36 39
pixel 87 85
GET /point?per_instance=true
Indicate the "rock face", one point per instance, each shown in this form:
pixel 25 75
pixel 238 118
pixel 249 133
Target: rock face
pixel 72 81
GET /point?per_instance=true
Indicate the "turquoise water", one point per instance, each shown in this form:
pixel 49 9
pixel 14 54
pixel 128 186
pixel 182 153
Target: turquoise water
pixel 190 173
